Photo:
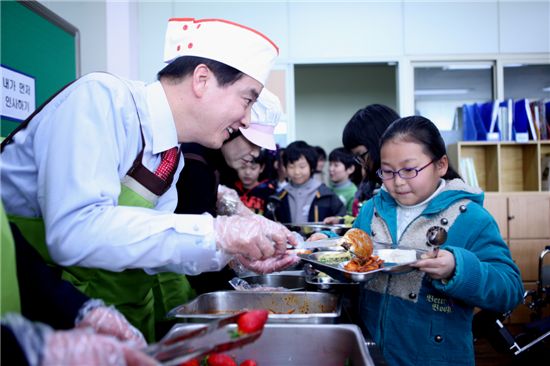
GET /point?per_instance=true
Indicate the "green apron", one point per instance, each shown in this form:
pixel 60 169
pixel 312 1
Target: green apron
pixel 9 290
pixel 143 299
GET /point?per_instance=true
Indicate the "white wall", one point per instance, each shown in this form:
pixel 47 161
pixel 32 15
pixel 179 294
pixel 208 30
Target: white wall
pixel 321 32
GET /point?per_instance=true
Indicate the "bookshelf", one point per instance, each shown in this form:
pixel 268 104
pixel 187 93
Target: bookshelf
pixel 511 175
pixel 503 166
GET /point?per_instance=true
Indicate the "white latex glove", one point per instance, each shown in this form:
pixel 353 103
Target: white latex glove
pixel 229 203
pixel 107 320
pixel 83 347
pixel 273 264
pixel 254 237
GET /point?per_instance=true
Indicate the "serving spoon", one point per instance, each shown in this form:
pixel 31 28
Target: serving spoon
pixel 435 237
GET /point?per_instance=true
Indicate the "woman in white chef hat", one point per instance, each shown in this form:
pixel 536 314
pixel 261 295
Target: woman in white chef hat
pixel 90 175
pixel 207 170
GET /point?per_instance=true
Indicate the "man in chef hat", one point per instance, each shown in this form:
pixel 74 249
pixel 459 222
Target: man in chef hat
pixel 90 176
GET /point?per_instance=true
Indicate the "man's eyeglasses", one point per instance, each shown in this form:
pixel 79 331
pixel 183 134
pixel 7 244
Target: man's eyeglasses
pixel 361 159
pixel 404 173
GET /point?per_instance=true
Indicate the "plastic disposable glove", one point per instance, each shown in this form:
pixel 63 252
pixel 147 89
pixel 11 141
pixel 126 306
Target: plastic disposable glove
pixel 317 236
pixel 229 203
pixel 83 347
pixel 254 237
pixel 107 320
pixel 44 346
pixel 273 264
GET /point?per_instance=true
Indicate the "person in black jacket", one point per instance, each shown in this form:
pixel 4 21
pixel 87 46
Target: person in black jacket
pixel 304 199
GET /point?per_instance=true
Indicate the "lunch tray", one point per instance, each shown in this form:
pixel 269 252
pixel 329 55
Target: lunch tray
pixel 337 271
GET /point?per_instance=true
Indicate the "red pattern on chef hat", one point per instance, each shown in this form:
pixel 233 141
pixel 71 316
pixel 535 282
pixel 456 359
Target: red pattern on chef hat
pixel 265 115
pixel 241 47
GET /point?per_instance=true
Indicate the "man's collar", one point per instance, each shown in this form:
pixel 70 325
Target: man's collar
pixel 163 127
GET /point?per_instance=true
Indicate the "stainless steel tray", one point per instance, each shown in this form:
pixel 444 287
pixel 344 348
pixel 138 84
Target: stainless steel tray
pixel 284 306
pixel 286 282
pixel 337 271
pixel 308 228
pixel 304 344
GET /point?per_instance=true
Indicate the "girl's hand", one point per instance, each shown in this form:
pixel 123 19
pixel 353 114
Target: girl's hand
pixel 317 236
pixel 440 268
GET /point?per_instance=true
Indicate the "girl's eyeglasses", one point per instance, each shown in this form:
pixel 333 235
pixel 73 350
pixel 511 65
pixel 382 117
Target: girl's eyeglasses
pixel 361 159
pixel 404 173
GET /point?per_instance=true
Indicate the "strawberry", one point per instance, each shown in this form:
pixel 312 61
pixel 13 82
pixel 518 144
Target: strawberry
pixel 249 363
pixel 252 321
pixel 220 359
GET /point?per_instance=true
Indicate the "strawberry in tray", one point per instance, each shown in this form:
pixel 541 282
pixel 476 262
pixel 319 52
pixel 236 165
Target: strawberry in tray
pixel 252 321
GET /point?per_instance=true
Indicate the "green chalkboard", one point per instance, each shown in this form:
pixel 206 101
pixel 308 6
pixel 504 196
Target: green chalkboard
pixel 38 43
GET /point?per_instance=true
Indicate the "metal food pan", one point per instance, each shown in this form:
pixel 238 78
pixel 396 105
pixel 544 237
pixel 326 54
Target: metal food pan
pixel 309 228
pixel 284 306
pixel 278 281
pixel 305 344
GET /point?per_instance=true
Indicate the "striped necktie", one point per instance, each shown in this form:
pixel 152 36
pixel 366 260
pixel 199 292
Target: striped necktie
pixel 167 164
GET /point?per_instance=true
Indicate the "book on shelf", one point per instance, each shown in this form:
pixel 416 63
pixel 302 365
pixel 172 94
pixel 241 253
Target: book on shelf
pixel 473 126
pixel 505 119
pixel 523 121
pixel 489 113
pixel 468 171
pixel 545 115
pixel 469 131
pixel 535 113
pixel 545 176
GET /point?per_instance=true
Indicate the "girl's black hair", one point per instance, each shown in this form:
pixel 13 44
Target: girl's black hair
pixel 184 65
pixel 300 148
pixel 365 128
pixel 343 156
pixel 321 154
pixel 422 131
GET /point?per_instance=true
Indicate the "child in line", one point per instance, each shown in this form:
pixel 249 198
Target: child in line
pixel 319 172
pixel 425 317
pixel 253 192
pixel 341 167
pixel 361 136
pixel 304 199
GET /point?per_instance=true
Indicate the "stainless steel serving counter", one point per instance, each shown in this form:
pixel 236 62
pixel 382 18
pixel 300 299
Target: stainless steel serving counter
pixel 346 325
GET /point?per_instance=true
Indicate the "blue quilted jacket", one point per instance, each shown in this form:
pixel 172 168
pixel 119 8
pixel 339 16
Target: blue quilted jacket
pixel 419 321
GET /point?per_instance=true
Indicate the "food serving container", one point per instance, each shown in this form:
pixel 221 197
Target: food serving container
pixel 304 344
pixel 288 282
pixel 284 306
pixel 336 270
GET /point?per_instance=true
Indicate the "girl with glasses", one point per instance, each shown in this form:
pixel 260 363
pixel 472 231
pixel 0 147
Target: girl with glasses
pixel 424 316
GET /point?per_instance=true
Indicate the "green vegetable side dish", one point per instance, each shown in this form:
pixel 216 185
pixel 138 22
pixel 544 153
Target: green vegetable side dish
pixel 334 258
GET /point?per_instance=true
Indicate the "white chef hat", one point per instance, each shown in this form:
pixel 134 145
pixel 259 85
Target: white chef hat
pixel 265 115
pixel 236 45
